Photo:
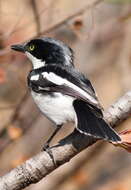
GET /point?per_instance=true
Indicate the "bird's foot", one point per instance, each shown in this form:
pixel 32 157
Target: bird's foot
pixel 46 148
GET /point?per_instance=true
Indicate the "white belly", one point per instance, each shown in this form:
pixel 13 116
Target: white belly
pixel 58 108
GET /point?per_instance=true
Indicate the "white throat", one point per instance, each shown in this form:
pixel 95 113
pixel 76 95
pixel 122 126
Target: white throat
pixel 36 63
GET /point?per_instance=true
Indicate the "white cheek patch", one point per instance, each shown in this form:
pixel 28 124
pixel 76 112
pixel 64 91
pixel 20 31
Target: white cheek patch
pixel 37 63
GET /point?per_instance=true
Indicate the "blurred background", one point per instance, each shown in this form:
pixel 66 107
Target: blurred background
pixel 99 31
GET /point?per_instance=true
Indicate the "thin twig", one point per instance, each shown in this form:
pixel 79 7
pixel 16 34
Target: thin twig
pixel 72 16
pixel 34 169
pixel 4 136
pixel 36 15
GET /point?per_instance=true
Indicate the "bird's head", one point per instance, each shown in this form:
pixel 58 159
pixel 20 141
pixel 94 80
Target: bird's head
pixel 42 51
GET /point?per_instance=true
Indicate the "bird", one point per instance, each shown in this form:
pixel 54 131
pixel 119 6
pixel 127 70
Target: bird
pixel 61 92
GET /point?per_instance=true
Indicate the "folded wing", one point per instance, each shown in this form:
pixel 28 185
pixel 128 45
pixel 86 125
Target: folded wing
pixel 69 82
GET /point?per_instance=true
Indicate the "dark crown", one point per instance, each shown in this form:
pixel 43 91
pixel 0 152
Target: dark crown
pixel 50 51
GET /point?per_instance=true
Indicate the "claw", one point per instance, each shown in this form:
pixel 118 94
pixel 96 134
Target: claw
pixel 46 148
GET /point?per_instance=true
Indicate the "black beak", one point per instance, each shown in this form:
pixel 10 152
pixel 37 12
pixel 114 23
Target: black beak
pixel 18 47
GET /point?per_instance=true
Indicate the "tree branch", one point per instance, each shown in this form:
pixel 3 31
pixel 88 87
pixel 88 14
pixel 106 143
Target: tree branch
pixel 89 5
pixel 34 169
pixel 36 15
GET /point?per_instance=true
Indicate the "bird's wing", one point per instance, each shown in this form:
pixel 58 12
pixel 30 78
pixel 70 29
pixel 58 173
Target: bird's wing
pixel 67 81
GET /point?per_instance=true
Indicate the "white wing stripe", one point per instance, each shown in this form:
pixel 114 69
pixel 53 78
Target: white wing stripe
pixel 60 81
pixel 34 77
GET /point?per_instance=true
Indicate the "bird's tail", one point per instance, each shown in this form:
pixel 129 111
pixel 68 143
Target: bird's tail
pixel 89 124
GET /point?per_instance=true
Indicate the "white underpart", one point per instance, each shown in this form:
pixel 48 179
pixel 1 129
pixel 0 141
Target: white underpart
pixel 37 63
pixel 57 107
pixel 61 81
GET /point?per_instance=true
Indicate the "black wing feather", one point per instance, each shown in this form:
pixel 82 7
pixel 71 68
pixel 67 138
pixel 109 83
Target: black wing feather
pixel 89 124
pixel 89 115
pixel 71 75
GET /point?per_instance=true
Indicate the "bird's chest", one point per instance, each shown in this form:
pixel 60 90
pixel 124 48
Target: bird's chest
pixel 57 107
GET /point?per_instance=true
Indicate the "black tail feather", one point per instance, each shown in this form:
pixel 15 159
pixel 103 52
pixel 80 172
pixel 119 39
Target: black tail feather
pixel 90 124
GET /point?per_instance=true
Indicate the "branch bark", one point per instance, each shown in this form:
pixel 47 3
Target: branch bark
pixel 34 169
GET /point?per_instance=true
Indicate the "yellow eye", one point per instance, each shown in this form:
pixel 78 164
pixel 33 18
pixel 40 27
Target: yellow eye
pixel 31 47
